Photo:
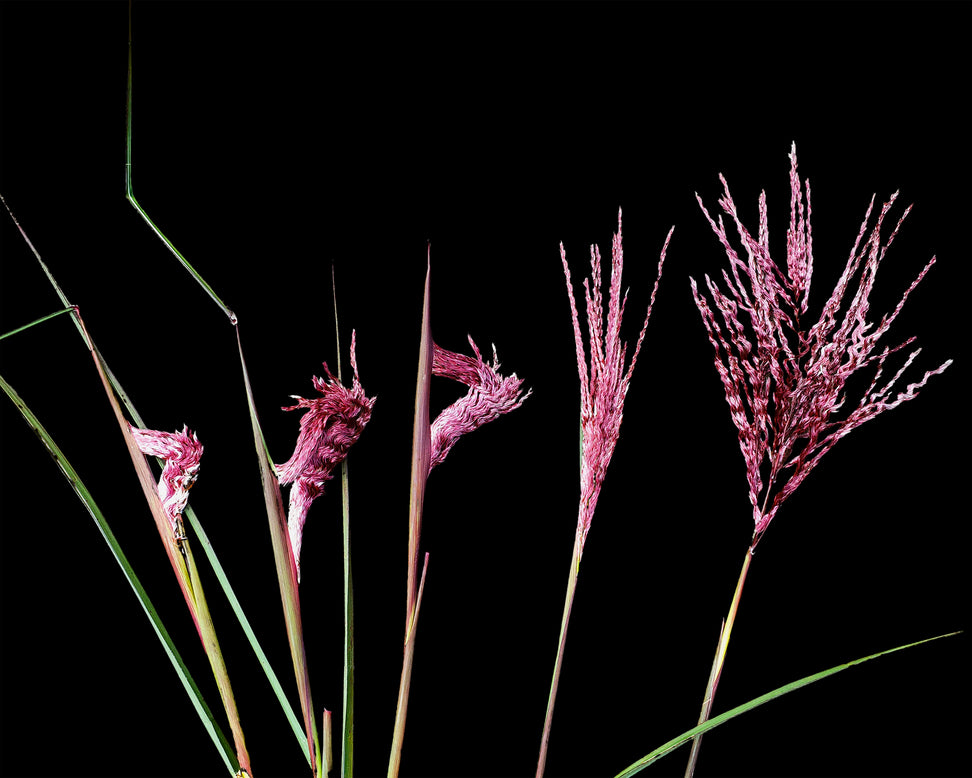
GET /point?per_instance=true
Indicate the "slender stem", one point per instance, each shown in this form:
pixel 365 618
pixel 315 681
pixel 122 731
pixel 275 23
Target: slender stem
pixel 347 715
pixel 720 657
pixel 130 194
pixel 575 561
pixel 398 738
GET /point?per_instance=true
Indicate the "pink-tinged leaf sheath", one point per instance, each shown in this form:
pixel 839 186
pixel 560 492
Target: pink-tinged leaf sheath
pixel 332 424
pixel 489 397
pixel 784 383
pixel 604 382
pixel 181 452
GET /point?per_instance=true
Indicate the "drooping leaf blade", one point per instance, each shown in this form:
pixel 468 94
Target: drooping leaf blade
pixel 722 718
pixel 286 571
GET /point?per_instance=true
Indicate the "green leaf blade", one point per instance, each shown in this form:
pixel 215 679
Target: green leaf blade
pixel 722 718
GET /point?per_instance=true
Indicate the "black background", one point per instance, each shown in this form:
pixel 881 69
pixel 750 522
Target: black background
pixel 272 140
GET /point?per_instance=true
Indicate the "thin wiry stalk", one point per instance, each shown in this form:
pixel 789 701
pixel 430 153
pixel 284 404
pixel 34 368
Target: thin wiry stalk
pixel 555 680
pixel 130 194
pixel 347 718
pixel 717 663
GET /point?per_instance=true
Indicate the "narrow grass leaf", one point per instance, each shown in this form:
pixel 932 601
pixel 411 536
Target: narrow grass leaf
pixel 68 471
pixel 722 718
pixel 180 556
pixel 421 457
pixel 35 322
pixel 286 571
pixel 210 552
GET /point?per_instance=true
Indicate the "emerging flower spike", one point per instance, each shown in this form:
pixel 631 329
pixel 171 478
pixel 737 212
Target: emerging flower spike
pixel 604 384
pixel 333 423
pixel 784 389
pixel 489 397
pixel 181 452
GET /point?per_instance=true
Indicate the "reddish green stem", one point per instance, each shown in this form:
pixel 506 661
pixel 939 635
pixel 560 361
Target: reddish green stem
pixel 720 657
pixel 575 561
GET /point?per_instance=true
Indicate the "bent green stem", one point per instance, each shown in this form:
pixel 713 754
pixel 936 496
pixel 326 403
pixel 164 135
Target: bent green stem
pixel 718 661
pixel 575 561
pixel 130 194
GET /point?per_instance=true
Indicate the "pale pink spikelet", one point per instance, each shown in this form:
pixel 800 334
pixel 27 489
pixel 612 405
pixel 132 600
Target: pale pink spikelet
pixel 490 395
pixel 604 383
pixel 332 424
pixel 785 384
pixel 181 452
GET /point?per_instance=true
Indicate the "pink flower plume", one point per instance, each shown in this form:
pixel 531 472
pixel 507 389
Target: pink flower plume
pixel 785 384
pixel 604 383
pixel 181 452
pixel 332 424
pixel 490 395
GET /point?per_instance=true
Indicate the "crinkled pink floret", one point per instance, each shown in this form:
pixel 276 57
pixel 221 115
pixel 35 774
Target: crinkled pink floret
pixel 181 452
pixel 490 395
pixel 332 424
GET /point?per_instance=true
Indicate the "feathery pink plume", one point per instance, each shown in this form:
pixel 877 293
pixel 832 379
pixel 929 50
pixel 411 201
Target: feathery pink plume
pixel 785 384
pixel 181 452
pixel 605 382
pixel 332 424
pixel 490 395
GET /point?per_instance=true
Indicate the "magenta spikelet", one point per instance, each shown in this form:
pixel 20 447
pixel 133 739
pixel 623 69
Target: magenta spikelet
pixel 490 395
pixel 332 424
pixel 181 452
pixel 785 384
pixel 604 384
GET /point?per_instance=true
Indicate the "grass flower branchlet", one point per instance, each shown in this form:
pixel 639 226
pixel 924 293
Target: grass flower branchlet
pixel 785 383
pixel 603 386
pixel 332 424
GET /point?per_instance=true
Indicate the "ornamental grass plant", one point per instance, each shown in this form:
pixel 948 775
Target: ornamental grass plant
pixel 312 194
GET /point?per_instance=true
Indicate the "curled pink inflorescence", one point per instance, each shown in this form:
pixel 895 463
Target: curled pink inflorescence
pixel 490 395
pixel 181 452
pixel 332 424
pixel 784 383
pixel 603 384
